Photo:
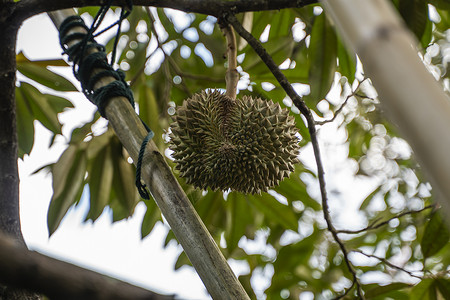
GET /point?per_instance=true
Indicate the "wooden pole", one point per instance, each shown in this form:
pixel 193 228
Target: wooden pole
pixel 411 97
pixel 184 221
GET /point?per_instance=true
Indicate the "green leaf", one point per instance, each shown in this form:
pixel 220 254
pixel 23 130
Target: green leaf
pixel 238 218
pixel 297 253
pixel 41 106
pixel 435 237
pixel 170 237
pixel 22 59
pixel 291 262
pixel 415 14
pixel 295 189
pixel 99 143
pixel 443 285
pixel 80 133
pixel 25 126
pixel 38 72
pixel 210 208
pixel 58 104
pixel 182 260
pixel 245 280
pixel 384 289
pixel 68 181
pixel 118 211
pixel 359 140
pixel 100 181
pixel 275 211
pixel 260 22
pixel 124 187
pixel 138 60
pixel 281 23
pixel 427 35
pixel 149 111
pixel 347 62
pixel 369 198
pixel 322 55
pixel 152 215
pixel 278 48
pixel 91 10
pixel 213 43
pixel 424 290
pixel 441 4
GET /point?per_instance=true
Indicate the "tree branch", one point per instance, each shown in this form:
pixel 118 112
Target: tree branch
pixel 338 111
pixel 9 177
pixel 60 280
pixel 298 102
pixel 27 8
pixel 387 263
pixel 376 225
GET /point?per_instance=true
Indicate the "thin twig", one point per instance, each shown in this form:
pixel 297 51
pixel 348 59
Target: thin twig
pixel 376 225
pixel 338 111
pixel 387 263
pixel 232 75
pixel 365 97
pixel 297 100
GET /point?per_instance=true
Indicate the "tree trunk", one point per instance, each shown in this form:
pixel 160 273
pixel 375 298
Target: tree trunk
pixel 9 175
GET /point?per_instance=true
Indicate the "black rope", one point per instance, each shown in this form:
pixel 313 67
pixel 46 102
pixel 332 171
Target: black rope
pixel 140 186
pixel 87 55
pixel 85 61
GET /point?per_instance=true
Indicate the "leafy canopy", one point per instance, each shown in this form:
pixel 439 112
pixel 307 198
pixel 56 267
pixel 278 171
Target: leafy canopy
pixel 402 251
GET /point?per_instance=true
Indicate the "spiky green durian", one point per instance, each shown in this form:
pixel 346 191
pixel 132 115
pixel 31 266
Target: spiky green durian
pixel 247 145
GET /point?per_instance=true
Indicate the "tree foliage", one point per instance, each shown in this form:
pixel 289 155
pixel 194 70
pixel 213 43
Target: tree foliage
pixel 400 248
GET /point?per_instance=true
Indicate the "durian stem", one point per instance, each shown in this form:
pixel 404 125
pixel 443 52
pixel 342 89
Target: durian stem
pixel 232 75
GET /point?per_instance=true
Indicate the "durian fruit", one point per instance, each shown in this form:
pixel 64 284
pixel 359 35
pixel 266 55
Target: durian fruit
pixel 247 145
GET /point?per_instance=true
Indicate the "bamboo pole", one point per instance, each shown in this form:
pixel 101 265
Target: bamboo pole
pixel 410 96
pixel 184 221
